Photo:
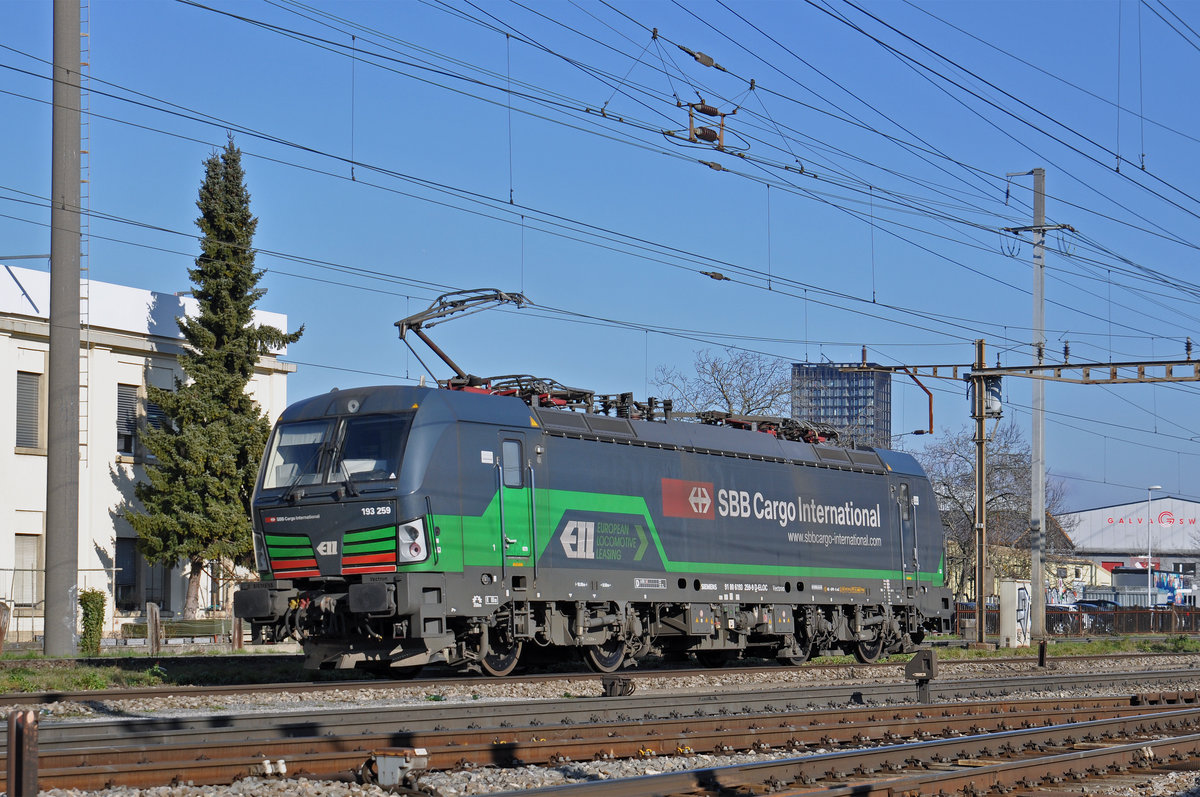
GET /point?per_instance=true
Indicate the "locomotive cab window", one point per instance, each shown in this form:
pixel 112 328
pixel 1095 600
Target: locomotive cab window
pixel 295 454
pixel 905 502
pixel 368 448
pixel 510 462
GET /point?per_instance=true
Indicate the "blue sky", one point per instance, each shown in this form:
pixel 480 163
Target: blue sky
pixel 395 151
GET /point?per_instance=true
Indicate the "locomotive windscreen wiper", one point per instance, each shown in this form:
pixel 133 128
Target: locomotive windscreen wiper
pixel 291 494
pixel 347 483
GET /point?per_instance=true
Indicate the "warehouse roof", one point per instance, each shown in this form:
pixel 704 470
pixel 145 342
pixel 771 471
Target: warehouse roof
pixel 1173 523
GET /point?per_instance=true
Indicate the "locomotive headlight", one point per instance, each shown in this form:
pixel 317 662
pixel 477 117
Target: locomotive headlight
pixel 262 561
pixel 410 541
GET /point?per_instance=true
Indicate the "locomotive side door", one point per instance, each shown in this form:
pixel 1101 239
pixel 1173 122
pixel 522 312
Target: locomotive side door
pixel 516 496
pixel 908 536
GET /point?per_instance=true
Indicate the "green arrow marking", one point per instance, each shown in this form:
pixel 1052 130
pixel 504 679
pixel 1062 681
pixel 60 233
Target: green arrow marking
pixel 637 557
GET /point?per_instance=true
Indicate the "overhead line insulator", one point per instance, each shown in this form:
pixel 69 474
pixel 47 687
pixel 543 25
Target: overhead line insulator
pixel 706 134
pixel 702 58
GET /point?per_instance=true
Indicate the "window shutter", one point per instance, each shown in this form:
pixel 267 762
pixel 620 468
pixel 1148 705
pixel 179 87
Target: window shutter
pixel 127 401
pixel 27 409
pixel 155 417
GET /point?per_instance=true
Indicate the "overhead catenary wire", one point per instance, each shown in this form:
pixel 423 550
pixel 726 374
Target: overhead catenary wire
pixel 384 171
pixel 312 150
pixel 1036 111
pixel 767 184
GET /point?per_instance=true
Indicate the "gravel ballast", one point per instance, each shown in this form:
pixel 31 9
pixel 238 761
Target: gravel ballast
pixel 491 780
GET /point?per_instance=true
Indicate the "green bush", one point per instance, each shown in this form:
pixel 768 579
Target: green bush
pixel 91 601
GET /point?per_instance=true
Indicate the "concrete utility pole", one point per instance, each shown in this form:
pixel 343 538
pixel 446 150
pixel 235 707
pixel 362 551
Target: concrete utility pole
pixel 1037 503
pixel 979 414
pixel 62 423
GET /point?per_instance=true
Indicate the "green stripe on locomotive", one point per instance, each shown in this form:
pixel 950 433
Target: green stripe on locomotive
pixel 481 540
pixel 389 544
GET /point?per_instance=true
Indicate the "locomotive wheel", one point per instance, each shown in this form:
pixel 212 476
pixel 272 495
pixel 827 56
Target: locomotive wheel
pixel 501 662
pixel 503 652
pixel 805 652
pixel 605 658
pixel 867 650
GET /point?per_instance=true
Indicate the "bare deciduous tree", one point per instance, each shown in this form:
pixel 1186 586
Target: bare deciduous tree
pixel 949 460
pixel 737 382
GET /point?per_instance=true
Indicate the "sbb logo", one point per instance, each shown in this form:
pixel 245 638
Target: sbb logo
pixel 700 500
pixel 687 499
pixel 733 503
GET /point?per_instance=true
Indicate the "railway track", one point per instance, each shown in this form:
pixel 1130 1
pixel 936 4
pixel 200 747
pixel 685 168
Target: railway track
pixel 156 751
pixel 1037 760
pixel 897 742
pixel 442 678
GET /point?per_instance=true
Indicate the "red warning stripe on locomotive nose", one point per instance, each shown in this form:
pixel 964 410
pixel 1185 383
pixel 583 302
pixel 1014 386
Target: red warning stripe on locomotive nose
pixel 687 499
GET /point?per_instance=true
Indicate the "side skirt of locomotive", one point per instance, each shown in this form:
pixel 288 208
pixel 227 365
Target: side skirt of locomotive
pixel 397 625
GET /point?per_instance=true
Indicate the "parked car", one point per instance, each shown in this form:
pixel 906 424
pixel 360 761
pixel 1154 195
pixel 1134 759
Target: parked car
pixel 1100 615
pixel 1063 619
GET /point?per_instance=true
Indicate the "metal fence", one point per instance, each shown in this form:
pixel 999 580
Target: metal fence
pixel 21 589
pixel 1063 622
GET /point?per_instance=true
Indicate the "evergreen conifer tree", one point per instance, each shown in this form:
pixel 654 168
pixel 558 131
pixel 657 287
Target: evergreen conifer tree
pixel 195 505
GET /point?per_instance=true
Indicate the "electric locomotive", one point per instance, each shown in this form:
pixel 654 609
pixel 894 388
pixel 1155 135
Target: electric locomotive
pixel 400 526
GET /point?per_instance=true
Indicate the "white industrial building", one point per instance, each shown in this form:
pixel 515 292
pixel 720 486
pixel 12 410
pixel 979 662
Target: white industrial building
pixel 1163 530
pixel 129 340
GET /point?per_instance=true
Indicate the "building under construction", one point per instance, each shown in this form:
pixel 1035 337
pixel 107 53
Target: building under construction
pixel 858 404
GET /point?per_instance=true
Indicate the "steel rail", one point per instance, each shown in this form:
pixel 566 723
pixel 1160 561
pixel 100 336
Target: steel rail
pixel 150 765
pixel 1035 774
pixel 575 711
pixel 853 772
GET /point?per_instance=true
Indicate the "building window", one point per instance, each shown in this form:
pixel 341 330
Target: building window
pixel 29 429
pixel 137 582
pixel 158 586
pixel 127 419
pixel 27 571
pixel 214 587
pixel 155 417
pixel 127 401
pixel 125 579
